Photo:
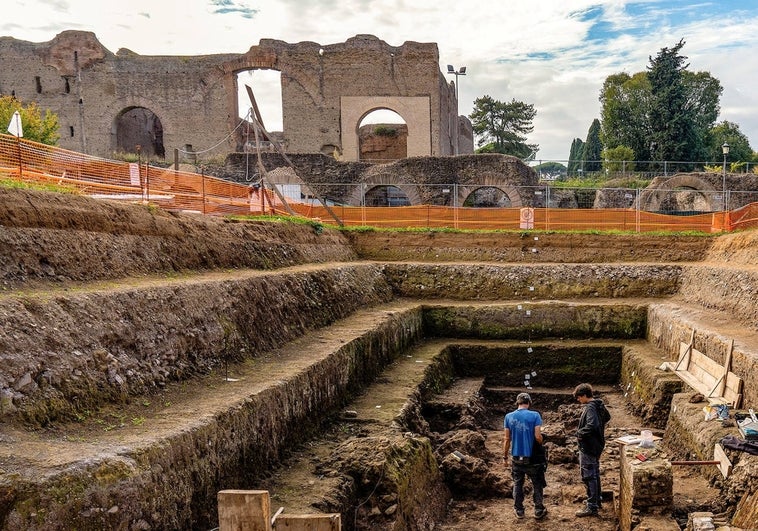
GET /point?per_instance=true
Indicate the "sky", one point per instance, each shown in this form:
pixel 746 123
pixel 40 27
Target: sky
pixel 554 54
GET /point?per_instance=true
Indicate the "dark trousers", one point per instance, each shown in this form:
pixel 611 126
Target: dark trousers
pixel 590 468
pixel 537 476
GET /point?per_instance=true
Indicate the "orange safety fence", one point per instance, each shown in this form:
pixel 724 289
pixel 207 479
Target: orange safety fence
pixel 511 218
pixel 187 191
pixel 744 218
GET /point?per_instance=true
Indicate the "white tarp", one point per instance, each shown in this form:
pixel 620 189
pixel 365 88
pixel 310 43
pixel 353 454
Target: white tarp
pixel 15 127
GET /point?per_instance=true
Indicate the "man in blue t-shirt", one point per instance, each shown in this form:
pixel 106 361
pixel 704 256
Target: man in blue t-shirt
pixel 522 432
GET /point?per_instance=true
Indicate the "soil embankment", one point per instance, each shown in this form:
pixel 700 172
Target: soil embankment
pixel 125 319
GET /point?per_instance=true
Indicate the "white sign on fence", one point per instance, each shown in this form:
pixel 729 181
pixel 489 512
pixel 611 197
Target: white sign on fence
pixel 134 174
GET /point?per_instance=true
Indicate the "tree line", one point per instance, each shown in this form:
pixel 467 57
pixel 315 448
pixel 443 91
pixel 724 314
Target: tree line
pixel 665 113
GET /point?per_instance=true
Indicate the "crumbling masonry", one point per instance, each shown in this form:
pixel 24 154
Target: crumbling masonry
pixel 108 103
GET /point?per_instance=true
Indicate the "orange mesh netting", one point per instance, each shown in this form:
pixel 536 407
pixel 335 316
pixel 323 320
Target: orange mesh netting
pixel 178 190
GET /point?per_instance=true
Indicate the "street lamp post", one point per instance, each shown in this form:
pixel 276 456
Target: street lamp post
pixel 725 150
pixel 460 72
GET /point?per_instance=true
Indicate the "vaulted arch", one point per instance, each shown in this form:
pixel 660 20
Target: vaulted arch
pixel 655 195
pixel 490 180
pixel 414 110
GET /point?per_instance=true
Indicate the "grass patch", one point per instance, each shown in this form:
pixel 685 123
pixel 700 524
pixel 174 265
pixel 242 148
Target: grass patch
pixel 9 182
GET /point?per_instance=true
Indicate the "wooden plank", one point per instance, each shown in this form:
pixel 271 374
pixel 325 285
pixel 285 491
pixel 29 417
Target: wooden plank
pixel 244 510
pixel 707 364
pixel 746 514
pixel 733 392
pixel 693 382
pixel 308 522
pixel 684 353
pixel 725 465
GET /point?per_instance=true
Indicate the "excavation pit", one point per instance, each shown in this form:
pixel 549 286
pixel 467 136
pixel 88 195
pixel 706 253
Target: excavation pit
pixel 197 355
pixel 357 468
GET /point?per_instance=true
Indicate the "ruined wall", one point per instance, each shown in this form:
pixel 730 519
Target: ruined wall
pixel 421 178
pixel 195 97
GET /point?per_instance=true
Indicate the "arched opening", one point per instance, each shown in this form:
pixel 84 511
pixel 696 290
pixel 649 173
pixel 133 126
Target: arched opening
pixel 487 197
pixel 139 126
pixel 386 196
pixel 685 201
pixel 267 89
pixel 382 136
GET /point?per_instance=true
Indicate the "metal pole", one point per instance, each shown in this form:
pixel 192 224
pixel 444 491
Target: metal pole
pixel 723 183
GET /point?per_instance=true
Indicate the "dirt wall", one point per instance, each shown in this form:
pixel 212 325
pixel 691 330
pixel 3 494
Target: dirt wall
pixel 66 352
pixel 440 246
pixel 63 237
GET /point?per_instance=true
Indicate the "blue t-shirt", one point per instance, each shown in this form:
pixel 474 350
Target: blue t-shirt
pixel 521 423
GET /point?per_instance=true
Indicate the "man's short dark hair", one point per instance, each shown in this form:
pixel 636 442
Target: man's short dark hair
pixel 523 398
pixel 583 389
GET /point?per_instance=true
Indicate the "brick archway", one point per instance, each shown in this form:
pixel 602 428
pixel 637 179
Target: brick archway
pixel 414 110
pixel 491 181
pixel 652 196
pixel 385 180
pixel 117 109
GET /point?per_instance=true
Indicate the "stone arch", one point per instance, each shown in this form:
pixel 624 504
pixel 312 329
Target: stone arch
pixel 139 126
pixel 118 108
pixel 411 192
pixel 491 181
pixel 653 196
pixel 414 110
pixel 256 58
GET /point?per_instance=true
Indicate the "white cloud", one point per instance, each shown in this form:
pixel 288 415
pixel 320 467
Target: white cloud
pixel 552 53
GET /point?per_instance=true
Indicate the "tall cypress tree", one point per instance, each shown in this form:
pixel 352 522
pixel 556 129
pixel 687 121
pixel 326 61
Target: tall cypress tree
pixel 592 148
pixel 672 126
pixel 575 156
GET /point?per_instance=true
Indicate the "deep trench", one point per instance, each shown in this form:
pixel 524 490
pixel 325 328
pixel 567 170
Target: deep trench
pixel 463 423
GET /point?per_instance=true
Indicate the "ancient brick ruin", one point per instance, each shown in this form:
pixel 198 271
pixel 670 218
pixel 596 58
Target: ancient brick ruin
pixel 111 102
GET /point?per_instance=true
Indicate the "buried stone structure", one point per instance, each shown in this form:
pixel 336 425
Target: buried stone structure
pixel 194 355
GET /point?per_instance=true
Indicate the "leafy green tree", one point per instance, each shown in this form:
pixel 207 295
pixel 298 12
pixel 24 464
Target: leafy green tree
pixel 739 145
pixel 703 95
pixel 502 127
pixel 575 156
pixel 625 102
pixel 43 129
pixel 620 158
pixel 552 171
pixel 683 106
pixel 665 113
pixel 592 148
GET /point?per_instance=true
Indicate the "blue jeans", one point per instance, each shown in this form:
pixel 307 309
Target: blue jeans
pixel 590 468
pixel 536 475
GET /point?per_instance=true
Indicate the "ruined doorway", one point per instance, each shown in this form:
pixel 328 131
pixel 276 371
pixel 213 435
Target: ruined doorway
pixel 487 197
pixel 386 196
pixel 267 88
pixel 139 126
pixel 382 137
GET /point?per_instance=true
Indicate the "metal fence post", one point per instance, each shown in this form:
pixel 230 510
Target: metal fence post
pixel 363 202
pixel 455 205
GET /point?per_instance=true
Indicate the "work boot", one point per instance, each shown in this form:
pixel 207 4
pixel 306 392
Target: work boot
pixel 540 513
pixel 519 513
pixel 586 511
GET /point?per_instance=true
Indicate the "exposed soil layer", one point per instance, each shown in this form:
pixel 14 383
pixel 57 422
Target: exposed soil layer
pixel 125 319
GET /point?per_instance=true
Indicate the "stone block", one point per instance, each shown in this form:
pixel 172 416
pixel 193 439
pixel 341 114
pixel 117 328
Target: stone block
pixel 646 487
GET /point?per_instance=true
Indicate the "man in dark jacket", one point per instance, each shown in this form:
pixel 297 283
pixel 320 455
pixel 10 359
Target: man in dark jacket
pixel 591 438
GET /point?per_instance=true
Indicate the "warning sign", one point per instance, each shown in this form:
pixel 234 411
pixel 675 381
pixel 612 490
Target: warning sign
pixel 526 218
